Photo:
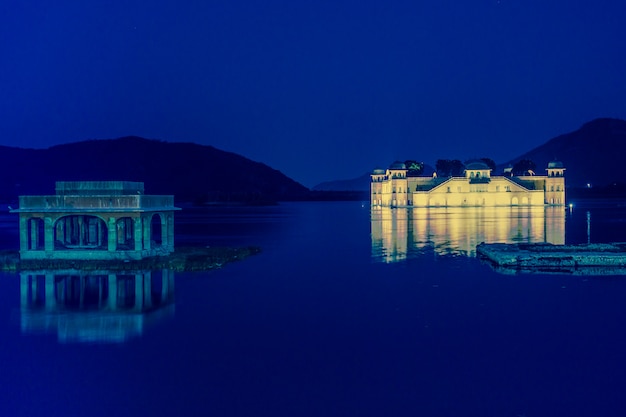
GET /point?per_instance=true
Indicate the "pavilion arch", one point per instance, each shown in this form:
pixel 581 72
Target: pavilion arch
pixel 157 229
pixel 80 231
pixel 514 201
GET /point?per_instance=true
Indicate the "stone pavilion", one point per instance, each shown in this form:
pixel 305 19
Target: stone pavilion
pixel 96 220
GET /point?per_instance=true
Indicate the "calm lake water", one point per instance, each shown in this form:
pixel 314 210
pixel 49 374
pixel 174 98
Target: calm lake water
pixel 346 312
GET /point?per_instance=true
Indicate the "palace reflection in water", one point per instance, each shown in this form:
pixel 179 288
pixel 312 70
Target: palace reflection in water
pixel 95 307
pixel 401 233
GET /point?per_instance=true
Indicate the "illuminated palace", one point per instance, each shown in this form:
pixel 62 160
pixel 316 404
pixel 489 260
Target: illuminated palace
pixel 393 188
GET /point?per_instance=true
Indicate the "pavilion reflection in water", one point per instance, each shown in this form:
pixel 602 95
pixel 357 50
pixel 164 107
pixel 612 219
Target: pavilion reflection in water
pixel 95 307
pixel 401 233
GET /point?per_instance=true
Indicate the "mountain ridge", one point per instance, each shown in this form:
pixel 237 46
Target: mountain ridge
pixel 203 173
pixel 591 155
pixel 190 171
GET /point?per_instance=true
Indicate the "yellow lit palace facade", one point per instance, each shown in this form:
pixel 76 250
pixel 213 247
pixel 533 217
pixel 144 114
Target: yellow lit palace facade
pixel 477 188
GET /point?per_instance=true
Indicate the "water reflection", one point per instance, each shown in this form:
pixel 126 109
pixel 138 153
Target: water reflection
pixel 398 234
pixel 95 307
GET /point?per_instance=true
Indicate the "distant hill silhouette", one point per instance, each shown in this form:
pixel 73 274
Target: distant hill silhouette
pixel 361 184
pixel 190 171
pixel 593 154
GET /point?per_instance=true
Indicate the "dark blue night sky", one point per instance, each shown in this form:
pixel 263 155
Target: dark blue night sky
pixel 319 90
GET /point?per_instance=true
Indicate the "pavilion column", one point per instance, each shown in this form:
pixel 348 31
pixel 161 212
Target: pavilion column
pixel 121 233
pixel 23 233
pixel 34 233
pixel 164 231
pixel 147 233
pixel 170 231
pixel 48 232
pixel 81 231
pixel 138 233
pixel 112 244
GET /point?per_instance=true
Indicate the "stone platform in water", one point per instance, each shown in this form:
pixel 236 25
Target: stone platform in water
pixel 183 259
pixel 585 259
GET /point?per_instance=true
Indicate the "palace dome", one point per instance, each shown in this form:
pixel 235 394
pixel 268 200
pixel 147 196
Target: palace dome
pixel 378 171
pixel 555 164
pixel 477 166
pixel 397 165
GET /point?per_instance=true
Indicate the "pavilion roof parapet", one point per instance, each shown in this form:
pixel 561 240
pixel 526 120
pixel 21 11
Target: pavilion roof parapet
pixel 101 188
pixel 63 203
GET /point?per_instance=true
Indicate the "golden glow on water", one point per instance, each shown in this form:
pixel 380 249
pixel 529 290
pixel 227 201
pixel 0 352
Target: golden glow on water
pixel 399 233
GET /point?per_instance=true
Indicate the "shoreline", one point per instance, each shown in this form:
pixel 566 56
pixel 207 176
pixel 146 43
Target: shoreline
pixel 184 259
